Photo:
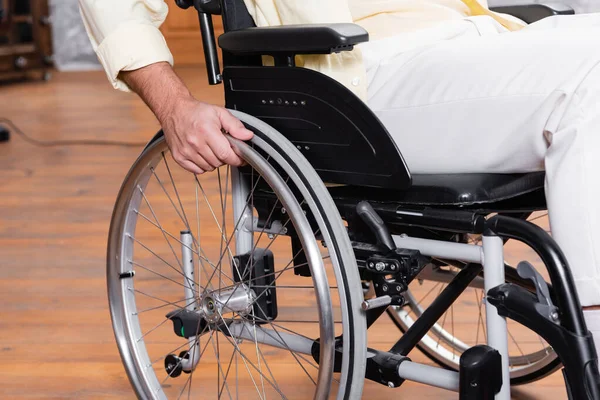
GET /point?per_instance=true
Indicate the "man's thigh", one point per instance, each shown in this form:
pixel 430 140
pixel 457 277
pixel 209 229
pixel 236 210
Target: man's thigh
pixel 483 104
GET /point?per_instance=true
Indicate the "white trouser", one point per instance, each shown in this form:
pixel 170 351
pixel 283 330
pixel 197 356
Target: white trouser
pixel 498 102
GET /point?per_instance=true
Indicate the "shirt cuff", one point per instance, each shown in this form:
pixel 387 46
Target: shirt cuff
pixel 131 46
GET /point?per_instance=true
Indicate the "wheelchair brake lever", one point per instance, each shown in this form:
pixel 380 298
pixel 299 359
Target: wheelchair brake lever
pixel 370 217
pixel 545 305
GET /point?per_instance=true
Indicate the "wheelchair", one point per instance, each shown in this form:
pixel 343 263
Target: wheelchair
pixel 272 278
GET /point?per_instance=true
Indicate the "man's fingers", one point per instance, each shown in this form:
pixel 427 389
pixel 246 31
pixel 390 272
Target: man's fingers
pixel 222 149
pixel 190 166
pixel 188 156
pixel 213 148
pixel 209 156
pixel 201 162
pixel 234 126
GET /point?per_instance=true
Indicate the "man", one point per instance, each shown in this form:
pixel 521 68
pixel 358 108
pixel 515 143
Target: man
pixel 461 90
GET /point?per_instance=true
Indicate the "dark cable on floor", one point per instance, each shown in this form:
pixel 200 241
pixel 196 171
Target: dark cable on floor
pixel 59 143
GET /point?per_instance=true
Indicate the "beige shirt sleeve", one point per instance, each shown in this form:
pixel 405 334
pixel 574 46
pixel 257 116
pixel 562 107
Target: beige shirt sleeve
pixel 125 34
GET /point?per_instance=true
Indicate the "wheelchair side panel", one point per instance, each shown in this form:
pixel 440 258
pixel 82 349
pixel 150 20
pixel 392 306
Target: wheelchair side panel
pixel 340 136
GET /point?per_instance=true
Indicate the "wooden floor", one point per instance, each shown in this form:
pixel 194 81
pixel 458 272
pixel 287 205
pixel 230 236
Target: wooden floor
pixel 56 340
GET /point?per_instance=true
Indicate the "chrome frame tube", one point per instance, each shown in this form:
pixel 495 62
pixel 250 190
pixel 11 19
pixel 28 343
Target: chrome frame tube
pixel 280 339
pixel 239 195
pixel 491 256
pixel 428 375
pixel 497 331
pixel 436 248
pixel 190 292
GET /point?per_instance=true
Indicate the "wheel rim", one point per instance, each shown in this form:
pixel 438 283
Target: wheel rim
pixel 530 356
pixel 129 328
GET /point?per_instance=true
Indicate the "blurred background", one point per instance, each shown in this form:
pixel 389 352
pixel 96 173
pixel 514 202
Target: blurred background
pixel 56 198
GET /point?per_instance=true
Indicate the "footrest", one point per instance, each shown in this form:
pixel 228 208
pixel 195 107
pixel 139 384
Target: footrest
pixel 480 373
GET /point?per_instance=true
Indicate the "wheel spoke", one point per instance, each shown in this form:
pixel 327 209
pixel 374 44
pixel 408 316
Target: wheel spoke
pixel 202 256
pixel 277 277
pixel 166 303
pixel 480 318
pixel 183 219
pixel 429 292
pixel 282 341
pixel 233 353
pixel 538 217
pixel 159 274
pixel 278 273
pixel 245 358
pixel 213 214
pixel 517 344
pixel 217 352
pixel 161 229
pixel 187 224
pixel 261 354
pixel 161 259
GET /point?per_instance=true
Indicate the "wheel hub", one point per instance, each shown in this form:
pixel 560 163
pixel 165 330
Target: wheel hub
pixel 237 300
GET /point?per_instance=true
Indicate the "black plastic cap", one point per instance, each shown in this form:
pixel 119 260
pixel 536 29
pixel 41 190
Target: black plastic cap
pixel 4 135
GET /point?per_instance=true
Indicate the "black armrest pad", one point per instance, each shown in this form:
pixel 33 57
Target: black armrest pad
pixel 531 13
pixel 294 39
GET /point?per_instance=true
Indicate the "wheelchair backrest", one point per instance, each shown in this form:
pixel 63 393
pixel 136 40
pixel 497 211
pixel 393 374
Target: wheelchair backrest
pixel 235 15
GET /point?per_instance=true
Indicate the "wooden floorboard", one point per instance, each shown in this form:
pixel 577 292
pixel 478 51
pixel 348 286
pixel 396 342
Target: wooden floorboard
pixel 56 340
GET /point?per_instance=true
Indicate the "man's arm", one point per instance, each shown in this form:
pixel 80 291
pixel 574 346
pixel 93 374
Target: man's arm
pixel 134 54
pixel 192 128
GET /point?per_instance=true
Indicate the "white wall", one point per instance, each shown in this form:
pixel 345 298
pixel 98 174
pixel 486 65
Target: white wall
pixel 72 48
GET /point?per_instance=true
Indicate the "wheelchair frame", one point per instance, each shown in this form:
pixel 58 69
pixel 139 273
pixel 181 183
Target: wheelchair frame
pixel 280 97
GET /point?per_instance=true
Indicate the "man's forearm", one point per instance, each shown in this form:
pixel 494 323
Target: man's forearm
pixel 158 86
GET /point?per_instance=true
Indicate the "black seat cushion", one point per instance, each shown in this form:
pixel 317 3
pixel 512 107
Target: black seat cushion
pixel 459 190
pixel 468 189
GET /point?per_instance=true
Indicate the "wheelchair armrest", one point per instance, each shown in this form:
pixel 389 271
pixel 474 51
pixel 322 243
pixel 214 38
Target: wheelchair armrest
pixel 534 12
pixel 293 39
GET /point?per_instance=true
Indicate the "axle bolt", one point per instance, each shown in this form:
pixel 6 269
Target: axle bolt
pixel 380 266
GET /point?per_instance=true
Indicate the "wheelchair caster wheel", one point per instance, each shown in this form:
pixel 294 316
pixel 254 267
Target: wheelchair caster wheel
pixel 173 365
pixel 185 355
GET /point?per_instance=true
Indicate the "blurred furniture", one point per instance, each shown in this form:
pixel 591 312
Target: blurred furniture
pixel 72 49
pixel 25 39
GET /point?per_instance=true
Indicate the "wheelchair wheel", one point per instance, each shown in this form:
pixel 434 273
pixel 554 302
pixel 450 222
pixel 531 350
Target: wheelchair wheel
pixel 531 358
pixel 218 283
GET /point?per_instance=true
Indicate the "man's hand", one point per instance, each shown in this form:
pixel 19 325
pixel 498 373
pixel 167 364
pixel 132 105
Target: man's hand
pixel 193 130
pixel 193 133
